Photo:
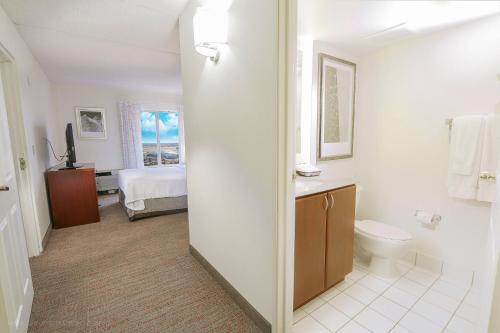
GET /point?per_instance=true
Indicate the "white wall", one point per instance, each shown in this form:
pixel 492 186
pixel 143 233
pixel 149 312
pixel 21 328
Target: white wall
pixel 231 145
pixel 406 92
pixel 37 109
pixel 106 154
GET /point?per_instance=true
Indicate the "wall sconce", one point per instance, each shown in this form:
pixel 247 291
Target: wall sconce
pixel 210 31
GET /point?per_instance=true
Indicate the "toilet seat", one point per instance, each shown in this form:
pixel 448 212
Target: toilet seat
pixel 381 230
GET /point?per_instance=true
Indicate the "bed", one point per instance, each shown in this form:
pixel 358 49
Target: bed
pixel 153 191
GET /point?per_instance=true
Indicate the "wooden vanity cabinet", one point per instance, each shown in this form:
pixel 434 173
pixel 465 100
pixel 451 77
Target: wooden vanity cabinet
pixel 310 243
pixel 340 235
pixel 324 236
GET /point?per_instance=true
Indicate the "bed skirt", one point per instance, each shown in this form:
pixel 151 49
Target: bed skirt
pixel 155 207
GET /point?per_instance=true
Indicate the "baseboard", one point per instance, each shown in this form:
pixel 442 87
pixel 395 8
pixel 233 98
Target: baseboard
pixel 250 311
pixel 45 239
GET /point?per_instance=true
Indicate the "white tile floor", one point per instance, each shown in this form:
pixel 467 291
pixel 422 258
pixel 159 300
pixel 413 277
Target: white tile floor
pixel 419 301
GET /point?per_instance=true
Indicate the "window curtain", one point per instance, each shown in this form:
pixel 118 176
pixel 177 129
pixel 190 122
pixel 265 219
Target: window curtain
pixel 130 123
pixel 182 145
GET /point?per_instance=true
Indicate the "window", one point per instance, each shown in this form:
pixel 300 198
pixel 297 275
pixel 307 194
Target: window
pixel 160 138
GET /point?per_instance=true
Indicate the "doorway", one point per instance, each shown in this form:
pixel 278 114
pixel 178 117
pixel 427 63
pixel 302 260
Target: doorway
pixel 16 287
pixel 18 148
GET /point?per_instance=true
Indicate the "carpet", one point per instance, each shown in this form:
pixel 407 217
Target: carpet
pixel 121 276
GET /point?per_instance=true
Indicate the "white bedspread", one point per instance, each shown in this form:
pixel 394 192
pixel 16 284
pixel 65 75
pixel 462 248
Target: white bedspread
pixel 151 183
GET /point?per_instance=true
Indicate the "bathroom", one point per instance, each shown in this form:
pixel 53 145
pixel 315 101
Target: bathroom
pixel 403 82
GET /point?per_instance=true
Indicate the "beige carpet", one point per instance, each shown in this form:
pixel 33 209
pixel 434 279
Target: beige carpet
pixel 121 276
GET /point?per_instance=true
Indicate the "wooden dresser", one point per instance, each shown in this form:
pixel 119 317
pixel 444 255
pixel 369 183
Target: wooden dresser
pixel 72 196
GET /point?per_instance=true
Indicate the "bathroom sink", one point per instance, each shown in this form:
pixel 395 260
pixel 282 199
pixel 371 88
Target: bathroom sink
pixel 305 186
pixel 300 186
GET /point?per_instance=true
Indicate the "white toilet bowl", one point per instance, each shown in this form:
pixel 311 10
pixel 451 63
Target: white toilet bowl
pixel 385 244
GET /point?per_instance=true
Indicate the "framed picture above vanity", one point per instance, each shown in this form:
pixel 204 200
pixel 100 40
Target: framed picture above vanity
pixel 336 96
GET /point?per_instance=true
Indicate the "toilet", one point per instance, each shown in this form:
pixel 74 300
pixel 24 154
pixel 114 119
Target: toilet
pixel 383 243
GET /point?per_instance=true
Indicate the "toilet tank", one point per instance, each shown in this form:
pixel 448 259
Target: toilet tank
pixel 359 190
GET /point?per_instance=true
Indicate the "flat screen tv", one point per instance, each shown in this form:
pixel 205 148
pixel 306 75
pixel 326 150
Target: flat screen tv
pixel 70 147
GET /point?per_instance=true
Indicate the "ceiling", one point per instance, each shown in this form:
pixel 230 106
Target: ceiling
pixel 134 44
pixel 364 26
pixel 128 44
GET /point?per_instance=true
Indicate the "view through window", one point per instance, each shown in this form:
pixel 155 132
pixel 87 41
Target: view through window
pixel 160 138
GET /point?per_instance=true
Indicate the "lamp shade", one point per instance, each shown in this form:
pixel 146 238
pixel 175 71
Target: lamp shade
pixel 210 30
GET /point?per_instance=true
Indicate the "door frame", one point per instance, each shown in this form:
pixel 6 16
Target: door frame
pixel 9 77
pixel 285 229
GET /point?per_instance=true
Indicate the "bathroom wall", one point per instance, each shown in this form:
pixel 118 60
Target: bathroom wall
pixel 490 283
pixel 406 91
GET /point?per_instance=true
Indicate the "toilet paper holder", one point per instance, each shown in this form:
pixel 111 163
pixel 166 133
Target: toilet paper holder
pixel 427 219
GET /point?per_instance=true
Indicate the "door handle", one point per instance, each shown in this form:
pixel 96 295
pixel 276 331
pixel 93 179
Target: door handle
pixel 4 188
pixel 22 163
pixel 326 202
pixel 333 200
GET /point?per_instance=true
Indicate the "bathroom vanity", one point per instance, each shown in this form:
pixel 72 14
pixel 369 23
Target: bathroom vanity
pixel 324 235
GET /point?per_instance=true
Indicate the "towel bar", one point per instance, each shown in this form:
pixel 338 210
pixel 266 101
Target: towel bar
pixel 449 122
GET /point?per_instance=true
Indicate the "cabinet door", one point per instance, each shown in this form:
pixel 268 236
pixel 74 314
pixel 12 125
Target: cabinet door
pixel 340 234
pixel 310 242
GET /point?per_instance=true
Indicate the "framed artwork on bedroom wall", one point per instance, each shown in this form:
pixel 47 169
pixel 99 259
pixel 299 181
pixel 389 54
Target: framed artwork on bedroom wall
pixel 336 99
pixel 91 123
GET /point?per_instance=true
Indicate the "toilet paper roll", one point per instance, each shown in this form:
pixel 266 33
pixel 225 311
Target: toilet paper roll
pixel 424 217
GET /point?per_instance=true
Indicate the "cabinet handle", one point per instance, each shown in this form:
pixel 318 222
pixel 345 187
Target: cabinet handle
pixel 333 200
pixel 326 202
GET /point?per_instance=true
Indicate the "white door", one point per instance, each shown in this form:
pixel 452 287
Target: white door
pixel 16 287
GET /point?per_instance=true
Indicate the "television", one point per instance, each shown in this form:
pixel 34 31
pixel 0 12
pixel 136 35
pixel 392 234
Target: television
pixel 70 147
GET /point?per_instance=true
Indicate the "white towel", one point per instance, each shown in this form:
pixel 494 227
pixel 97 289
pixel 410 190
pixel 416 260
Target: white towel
pixel 465 156
pixel 489 159
pixel 465 136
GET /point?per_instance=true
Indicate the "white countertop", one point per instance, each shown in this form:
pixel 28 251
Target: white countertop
pixel 311 185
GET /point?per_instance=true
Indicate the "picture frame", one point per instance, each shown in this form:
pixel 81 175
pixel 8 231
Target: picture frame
pixel 336 107
pixel 91 123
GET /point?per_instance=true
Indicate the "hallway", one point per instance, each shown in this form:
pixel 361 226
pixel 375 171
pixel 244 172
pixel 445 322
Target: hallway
pixel 121 276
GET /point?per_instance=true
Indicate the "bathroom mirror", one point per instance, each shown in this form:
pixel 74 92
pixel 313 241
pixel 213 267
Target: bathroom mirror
pixel 298 106
pixel 336 89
